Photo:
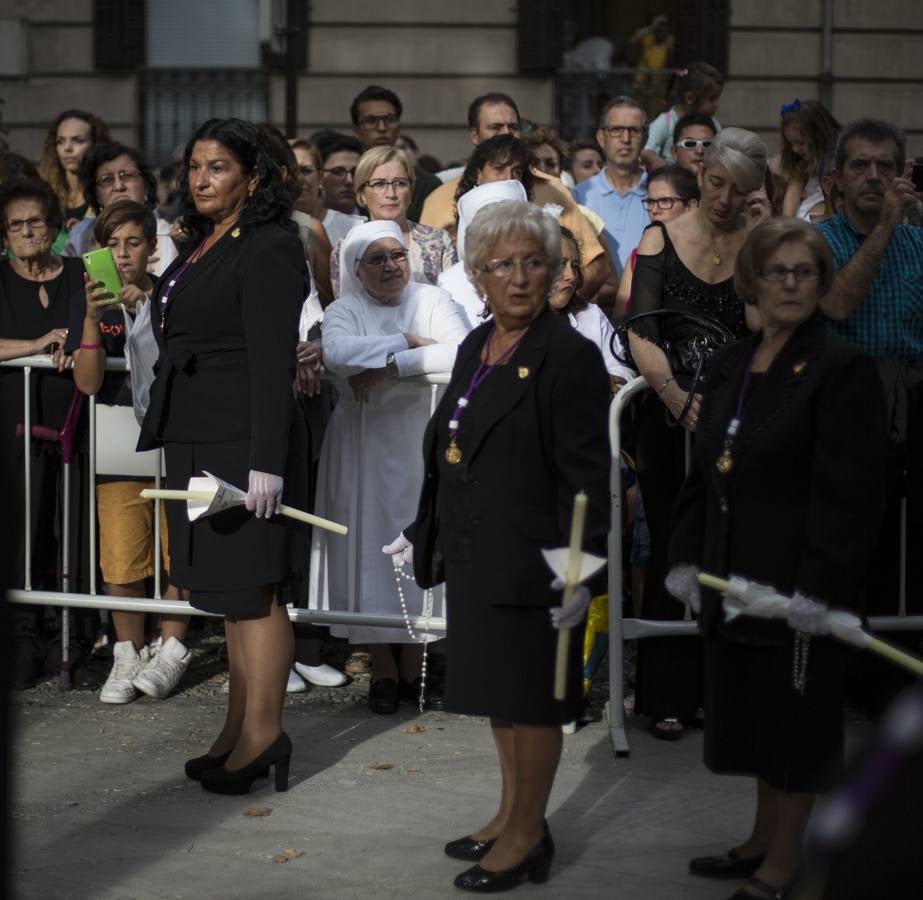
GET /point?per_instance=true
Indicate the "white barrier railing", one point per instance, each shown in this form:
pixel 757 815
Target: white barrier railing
pixel 621 629
pixel 156 604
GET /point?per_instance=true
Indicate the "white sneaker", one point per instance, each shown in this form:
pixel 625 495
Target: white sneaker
pixel 126 664
pixel 322 675
pixel 295 683
pixel 162 674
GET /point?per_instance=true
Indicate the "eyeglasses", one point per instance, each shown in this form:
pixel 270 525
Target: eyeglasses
pixel 802 272
pixel 106 181
pixel 380 260
pixel 661 202
pixel 618 130
pixel 371 122
pixel 379 185
pixel 695 143
pixel 503 268
pixel 340 172
pixel 35 224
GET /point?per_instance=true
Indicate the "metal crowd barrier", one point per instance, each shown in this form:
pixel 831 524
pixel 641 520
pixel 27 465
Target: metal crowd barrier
pixel 156 604
pixel 621 629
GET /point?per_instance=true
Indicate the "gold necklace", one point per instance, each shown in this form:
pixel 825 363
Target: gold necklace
pixel 715 256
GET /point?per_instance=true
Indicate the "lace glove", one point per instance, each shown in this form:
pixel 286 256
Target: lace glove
pixel 683 583
pixel 576 609
pixel 264 494
pixel 400 550
pixel 807 616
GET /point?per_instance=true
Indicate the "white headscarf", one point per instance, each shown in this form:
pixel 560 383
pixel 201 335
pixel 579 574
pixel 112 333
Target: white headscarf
pixel 359 239
pixel 477 198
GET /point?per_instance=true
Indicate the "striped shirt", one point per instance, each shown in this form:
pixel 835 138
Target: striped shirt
pixel 889 321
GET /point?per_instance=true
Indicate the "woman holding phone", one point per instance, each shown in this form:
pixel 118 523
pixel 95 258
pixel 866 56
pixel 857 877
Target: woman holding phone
pixel 128 231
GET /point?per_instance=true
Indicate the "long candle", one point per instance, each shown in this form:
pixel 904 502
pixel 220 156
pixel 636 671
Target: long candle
pixel 571 580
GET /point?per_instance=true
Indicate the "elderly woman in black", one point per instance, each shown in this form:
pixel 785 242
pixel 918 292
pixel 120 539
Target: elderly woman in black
pixel 226 321
pixel 520 429
pixel 785 490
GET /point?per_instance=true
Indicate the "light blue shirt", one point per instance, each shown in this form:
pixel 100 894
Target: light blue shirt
pixel 624 215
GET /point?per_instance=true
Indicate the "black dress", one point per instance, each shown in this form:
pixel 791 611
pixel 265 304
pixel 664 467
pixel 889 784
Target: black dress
pixel 668 681
pixel 223 402
pixel 533 434
pixel 800 511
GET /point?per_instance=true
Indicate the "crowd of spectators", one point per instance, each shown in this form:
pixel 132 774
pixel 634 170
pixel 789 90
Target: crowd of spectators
pixel 664 217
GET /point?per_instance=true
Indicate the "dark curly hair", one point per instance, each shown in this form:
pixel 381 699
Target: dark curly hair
pixel 98 155
pixel 33 189
pixel 270 201
pixel 504 149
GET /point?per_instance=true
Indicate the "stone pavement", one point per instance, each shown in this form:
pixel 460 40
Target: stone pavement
pixel 103 809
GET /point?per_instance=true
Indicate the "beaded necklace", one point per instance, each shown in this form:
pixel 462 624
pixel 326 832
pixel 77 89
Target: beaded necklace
pixel 427 612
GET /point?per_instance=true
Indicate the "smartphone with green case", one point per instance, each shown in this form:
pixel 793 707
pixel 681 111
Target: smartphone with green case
pixel 100 266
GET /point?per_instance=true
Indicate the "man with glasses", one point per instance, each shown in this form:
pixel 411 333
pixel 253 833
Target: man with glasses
pixel 692 136
pixel 488 116
pixel 376 115
pixel 111 172
pixel 876 302
pixel 339 155
pixel 617 192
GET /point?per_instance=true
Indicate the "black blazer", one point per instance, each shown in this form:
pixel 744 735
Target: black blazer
pixel 802 506
pixel 534 434
pixel 227 348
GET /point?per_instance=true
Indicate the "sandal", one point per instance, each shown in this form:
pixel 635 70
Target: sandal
pixel 358 664
pixel 672 733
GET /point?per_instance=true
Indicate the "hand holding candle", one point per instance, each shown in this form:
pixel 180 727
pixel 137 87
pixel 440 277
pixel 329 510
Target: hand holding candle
pixel 571 580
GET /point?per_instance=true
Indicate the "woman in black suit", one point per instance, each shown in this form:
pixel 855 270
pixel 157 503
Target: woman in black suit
pixel 785 489
pixel 226 318
pixel 503 461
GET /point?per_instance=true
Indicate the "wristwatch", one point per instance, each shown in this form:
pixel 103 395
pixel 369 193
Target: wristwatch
pixel 391 366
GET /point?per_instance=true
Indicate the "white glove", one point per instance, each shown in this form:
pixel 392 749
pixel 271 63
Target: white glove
pixel 400 550
pixel 807 616
pixel 683 583
pixel 573 614
pixel 264 494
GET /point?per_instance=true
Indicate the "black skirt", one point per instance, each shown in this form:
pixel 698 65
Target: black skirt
pixel 502 658
pixel 757 724
pixel 228 560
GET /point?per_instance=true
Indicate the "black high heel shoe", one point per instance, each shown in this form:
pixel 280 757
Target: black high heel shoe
pixel 535 867
pixel 238 781
pixel 468 849
pixel 195 767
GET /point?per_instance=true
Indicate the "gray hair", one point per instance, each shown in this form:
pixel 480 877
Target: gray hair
pixel 502 220
pixel 623 100
pixel 742 154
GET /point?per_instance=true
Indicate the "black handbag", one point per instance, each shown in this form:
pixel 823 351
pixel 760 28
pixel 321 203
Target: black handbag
pixel 687 355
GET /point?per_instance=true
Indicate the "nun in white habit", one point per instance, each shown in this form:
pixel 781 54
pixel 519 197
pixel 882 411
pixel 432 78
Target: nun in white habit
pixel 455 279
pixel 382 328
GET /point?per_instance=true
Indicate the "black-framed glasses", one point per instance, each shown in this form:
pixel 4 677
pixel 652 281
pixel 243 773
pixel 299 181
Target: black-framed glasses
pixel 370 121
pixel 504 268
pixel 380 185
pixel 695 143
pixel 661 202
pixel 632 131
pixel 380 260
pixel 36 223
pixel 341 172
pixel 127 175
pixel 778 272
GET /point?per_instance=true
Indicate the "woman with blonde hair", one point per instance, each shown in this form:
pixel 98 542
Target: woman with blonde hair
pixel 384 185
pixel 686 265
pixel 67 141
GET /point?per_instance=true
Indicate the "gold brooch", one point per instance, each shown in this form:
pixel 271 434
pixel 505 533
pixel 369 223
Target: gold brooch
pixel 523 372
pixel 799 367
pixel 235 233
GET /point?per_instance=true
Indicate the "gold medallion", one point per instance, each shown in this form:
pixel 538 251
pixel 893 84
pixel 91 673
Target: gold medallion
pixel 453 455
pixel 725 462
pixel 799 367
pixel 235 233
pixel 523 372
